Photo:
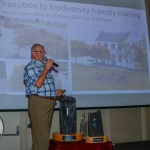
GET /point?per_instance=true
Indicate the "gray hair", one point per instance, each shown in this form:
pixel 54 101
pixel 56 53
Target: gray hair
pixel 34 46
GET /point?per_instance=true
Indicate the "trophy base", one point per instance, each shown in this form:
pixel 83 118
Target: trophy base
pixel 67 137
pixel 96 139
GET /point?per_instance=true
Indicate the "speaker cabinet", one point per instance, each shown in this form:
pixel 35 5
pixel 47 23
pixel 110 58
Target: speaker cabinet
pixel 95 126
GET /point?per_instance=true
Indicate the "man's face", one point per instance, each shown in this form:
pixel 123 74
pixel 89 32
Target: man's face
pixel 38 54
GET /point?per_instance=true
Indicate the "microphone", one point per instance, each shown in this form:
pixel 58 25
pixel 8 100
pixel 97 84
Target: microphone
pixel 54 64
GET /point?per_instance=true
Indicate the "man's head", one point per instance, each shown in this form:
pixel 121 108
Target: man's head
pixel 38 52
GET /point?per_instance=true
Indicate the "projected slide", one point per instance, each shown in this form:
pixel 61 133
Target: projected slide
pixel 99 49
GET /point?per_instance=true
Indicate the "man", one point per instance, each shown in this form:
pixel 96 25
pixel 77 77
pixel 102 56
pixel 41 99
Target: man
pixel 41 93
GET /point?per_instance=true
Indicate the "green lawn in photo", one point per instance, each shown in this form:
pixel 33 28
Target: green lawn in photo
pixel 88 78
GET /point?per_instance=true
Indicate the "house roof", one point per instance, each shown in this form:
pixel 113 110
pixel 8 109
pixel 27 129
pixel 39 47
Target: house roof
pixel 111 37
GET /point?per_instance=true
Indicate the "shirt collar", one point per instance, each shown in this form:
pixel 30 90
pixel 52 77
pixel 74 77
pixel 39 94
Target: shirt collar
pixel 38 63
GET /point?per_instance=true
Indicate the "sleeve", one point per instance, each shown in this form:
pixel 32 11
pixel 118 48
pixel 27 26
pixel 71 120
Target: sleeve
pixel 30 75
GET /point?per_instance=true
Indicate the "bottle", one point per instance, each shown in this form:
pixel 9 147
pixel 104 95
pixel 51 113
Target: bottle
pixel 83 124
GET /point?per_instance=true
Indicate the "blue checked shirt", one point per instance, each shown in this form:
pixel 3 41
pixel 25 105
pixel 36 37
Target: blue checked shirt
pixel 31 72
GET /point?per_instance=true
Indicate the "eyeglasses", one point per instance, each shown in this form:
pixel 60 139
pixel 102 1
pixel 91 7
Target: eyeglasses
pixel 40 51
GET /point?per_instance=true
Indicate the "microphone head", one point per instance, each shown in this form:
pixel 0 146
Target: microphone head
pixel 56 65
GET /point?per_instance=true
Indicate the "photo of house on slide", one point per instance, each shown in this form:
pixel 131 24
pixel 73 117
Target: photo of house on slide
pixel 113 62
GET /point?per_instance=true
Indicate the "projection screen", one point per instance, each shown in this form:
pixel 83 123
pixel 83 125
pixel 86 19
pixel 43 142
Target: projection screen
pixel 102 48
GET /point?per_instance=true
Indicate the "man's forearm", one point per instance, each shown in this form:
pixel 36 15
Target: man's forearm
pixel 39 82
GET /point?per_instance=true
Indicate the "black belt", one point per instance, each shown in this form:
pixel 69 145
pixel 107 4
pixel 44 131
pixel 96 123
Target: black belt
pixel 51 98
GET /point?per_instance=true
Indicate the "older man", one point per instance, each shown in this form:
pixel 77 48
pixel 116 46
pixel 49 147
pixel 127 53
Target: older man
pixel 41 93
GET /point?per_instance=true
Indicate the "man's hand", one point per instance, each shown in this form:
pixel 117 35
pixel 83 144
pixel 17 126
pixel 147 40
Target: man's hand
pixel 49 64
pixel 60 92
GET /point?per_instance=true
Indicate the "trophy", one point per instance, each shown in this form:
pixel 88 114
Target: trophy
pixel 68 121
pixel 95 128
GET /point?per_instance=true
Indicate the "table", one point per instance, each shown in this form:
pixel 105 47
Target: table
pixel 80 145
